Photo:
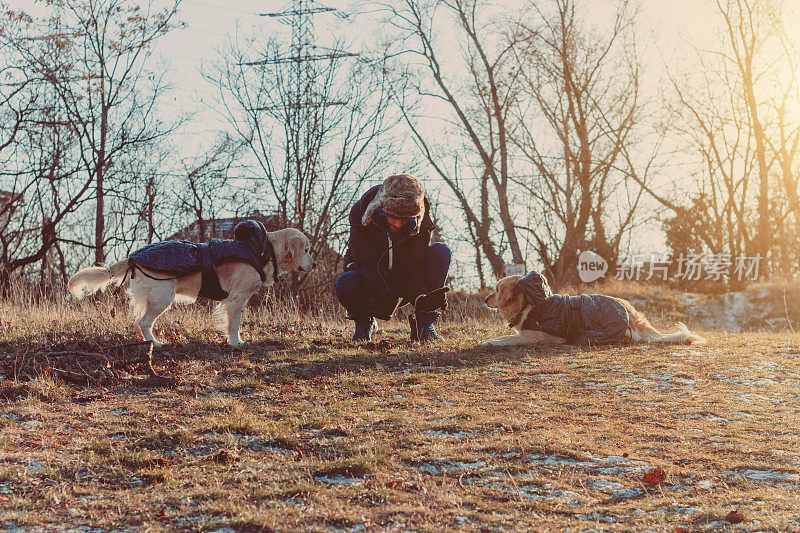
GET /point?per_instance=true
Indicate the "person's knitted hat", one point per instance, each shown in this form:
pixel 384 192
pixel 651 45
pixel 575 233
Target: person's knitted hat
pixel 401 196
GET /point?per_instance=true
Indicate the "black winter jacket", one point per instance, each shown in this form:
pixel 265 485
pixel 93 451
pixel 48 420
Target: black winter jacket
pixel 584 319
pixel 390 276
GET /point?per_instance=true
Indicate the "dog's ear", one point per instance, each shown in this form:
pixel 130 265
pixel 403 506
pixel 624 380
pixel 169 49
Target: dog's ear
pixel 295 248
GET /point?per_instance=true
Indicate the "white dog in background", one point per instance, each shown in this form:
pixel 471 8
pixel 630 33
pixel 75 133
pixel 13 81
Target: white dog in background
pixel 151 297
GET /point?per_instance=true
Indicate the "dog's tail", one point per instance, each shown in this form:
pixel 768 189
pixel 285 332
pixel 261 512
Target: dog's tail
pixel 641 330
pixel 651 334
pixel 90 280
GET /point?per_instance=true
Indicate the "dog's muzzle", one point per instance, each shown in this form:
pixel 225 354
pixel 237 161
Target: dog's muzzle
pixel 313 266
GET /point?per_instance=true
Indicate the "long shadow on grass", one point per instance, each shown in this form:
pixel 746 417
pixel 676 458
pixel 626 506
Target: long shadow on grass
pixel 401 356
pixel 29 357
pixel 320 357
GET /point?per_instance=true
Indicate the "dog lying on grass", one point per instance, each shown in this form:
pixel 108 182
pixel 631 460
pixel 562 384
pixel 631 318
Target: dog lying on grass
pixel 539 316
pixel 228 271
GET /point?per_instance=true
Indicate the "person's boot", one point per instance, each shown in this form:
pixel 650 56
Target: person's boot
pixel 422 327
pixel 364 329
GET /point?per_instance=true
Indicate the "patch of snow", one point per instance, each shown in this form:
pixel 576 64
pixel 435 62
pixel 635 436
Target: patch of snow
pixel 767 477
pixel 629 493
pixel 534 492
pixel 342 481
pixel 439 467
pixel 451 433
pixel 550 376
pixel 681 509
pixel 603 484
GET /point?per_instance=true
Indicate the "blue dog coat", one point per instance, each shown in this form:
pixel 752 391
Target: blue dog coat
pixel 584 319
pixel 178 258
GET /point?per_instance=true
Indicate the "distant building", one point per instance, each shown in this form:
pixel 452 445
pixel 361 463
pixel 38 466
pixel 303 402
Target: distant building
pixel 6 210
pixel 6 198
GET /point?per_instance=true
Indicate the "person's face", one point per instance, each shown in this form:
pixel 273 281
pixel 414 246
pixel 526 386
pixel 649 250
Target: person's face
pixel 395 224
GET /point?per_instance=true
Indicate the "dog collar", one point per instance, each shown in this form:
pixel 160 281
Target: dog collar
pixel 518 318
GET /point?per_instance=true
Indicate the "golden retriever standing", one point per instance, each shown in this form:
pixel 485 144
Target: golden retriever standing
pixel 153 293
pixel 522 316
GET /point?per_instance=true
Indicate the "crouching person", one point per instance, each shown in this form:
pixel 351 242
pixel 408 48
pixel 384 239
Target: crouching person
pixel 390 259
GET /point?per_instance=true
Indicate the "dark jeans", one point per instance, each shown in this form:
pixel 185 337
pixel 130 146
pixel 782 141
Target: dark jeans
pixel 351 290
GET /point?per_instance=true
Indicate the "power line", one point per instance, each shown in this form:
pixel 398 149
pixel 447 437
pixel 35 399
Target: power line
pixel 206 32
pixel 220 7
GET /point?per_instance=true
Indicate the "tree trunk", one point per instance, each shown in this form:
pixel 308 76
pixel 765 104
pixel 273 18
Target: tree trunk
pixel 100 221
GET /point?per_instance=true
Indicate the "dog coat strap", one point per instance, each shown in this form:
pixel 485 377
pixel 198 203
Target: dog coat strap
pixel 210 287
pixel 274 259
pixel 128 270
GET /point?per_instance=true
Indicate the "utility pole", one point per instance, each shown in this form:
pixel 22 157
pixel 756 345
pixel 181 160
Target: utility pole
pixel 304 107
pixel 305 102
pixel 304 53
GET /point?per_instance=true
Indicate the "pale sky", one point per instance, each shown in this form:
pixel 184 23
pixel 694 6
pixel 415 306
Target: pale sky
pixel 665 27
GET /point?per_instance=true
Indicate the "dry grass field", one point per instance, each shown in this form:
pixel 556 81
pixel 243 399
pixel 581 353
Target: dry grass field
pixel 300 431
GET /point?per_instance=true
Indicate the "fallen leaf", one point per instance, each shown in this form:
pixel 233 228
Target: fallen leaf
pixel 734 517
pixel 654 476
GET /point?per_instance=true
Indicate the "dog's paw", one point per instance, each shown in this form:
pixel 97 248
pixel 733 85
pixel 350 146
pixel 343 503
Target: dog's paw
pixel 487 342
pixel 235 343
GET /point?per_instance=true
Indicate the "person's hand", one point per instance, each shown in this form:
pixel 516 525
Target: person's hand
pixel 437 299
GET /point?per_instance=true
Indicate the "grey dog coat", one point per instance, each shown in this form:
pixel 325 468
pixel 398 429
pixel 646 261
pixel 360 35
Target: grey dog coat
pixel 178 258
pixel 584 319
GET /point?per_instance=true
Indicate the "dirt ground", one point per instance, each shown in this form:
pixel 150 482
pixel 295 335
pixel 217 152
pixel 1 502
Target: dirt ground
pixel 300 431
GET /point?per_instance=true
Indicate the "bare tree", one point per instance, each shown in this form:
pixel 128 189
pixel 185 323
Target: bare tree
pixel 310 155
pixel 581 125
pixel 737 114
pixel 546 111
pixel 785 142
pixel 472 98
pixel 208 189
pixel 38 165
pixel 141 206
pixel 43 195
pixel 99 73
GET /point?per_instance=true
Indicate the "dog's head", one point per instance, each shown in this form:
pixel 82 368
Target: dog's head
pixel 506 298
pixel 293 250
